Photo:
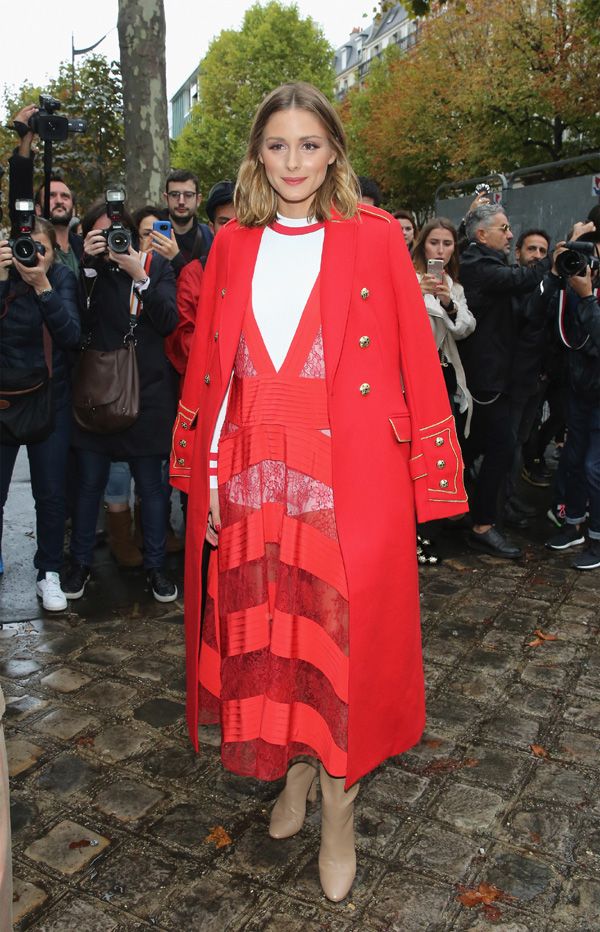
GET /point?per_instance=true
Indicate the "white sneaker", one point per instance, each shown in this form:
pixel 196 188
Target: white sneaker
pixel 52 596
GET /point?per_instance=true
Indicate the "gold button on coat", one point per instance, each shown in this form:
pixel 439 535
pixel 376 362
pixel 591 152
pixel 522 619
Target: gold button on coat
pixel 184 425
pixel 364 342
pixel 216 335
pixel 207 379
pixel 181 461
pixel 223 292
pixel 365 388
pixel 443 483
pixel 364 293
pixel 440 464
pixel 183 443
pixel 439 441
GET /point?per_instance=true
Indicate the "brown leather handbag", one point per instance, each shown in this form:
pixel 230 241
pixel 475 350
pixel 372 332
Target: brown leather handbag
pixel 106 389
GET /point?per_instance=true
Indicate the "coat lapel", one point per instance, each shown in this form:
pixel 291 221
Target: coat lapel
pixel 337 275
pixel 234 292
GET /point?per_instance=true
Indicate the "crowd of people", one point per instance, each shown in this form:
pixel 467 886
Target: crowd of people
pixel 324 353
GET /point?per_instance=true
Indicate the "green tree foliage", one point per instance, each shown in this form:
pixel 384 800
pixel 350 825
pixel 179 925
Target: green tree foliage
pixel 274 45
pixel 499 87
pixel 87 161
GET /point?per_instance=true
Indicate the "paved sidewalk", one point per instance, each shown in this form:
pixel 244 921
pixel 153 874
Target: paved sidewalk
pixel 492 822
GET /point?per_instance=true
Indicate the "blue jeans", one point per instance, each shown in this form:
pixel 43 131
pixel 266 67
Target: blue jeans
pixel 48 470
pixel 118 487
pixel 93 469
pixel 582 460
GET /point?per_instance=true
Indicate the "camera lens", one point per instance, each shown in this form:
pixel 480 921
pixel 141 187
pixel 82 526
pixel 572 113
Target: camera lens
pixel 119 240
pixel 571 263
pixel 24 250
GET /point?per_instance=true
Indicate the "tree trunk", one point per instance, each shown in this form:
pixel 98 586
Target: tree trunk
pixel 141 28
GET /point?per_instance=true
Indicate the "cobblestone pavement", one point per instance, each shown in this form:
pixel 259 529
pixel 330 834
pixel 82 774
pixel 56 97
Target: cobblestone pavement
pixel 118 825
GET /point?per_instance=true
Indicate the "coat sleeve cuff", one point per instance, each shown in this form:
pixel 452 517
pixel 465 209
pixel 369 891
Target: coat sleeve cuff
pixel 182 447
pixel 436 468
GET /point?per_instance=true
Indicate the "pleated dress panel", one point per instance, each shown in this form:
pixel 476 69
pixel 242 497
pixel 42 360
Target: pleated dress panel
pixel 273 665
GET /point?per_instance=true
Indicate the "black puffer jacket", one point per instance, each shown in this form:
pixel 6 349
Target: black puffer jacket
pixel 580 329
pixel 21 331
pixel 490 284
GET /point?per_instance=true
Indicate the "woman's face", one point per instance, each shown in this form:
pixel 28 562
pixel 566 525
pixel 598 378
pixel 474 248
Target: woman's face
pixel 145 232
pixel 295 152
pixel 407 229
pixel 439 245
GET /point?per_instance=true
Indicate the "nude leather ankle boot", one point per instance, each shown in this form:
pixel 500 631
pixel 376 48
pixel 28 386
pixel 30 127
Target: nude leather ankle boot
pixel 289 811
pixel 337 855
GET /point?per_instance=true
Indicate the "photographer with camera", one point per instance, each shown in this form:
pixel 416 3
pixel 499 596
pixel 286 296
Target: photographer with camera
pixel 569 296
pixel 39 323
pixel 28 122
pixel 130 309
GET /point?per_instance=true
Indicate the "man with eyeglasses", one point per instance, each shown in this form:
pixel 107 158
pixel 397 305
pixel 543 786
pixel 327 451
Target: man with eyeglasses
pixel 189 239
pixel 490 284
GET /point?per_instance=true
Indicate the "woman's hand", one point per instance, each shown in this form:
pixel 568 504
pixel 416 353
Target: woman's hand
pixel 6 259
pixel 214 519
pixel 479 201
pixel 37 275
pixel 442 293
pixel 429 283
pixel 95 243
pixel 130 262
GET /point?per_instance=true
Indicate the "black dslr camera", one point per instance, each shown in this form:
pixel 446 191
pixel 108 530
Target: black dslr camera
pixel 49 126
pixel 118 237
pixel 575 261
pixel 24 249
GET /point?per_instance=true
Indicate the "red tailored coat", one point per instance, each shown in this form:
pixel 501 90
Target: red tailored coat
pixel 394 451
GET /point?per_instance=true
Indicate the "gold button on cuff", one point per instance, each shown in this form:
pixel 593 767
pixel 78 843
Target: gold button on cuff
pixel 364 293
pixel 181 461
pixel 207 379
pixel 439 441
pixel 443 483
pixel 365 388
pixel 223 292
pixel 183 443
pixel 440 464
pixel 216 335
pixel 364 342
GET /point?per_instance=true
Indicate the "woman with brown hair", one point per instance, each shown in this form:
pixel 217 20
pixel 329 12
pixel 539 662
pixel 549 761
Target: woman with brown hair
pixel 314 380
pixel 445 301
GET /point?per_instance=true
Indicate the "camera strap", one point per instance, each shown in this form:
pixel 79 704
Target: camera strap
pixel 562 305
pixel 135 299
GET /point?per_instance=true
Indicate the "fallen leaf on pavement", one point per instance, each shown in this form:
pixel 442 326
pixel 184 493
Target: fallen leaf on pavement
pixel 485 894
pixel 84 843
pixel 541 638
pixel 492 913
pixel 538 751
pixel 447 765
pixel 432 742
pixel 218 836
pixel 85 741
pixel 535 837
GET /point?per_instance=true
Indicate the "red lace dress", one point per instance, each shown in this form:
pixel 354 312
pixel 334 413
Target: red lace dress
pixel 280 685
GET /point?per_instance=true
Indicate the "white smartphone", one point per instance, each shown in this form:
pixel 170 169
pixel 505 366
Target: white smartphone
pixel 435 267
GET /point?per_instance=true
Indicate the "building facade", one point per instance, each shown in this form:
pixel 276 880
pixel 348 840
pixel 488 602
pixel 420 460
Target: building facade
pixel 354 58
pixel 182 102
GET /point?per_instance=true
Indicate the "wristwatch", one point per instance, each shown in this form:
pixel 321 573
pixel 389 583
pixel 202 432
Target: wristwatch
pixel 43 295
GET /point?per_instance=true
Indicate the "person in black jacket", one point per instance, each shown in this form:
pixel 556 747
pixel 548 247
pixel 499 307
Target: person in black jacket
pixel 576 313
pixel 111 282
pixel 490 284
pixel 31 299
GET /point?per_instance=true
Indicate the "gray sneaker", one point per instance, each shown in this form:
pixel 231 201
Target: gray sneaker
pixel 589 559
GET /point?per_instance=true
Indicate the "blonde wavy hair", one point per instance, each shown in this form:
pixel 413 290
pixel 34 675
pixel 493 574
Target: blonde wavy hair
pixel 255 200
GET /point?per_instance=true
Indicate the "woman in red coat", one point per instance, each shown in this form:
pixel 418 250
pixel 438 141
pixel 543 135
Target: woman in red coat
pixel 314 368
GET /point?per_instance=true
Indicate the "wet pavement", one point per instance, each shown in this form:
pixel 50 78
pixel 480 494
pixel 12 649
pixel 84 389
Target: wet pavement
pixel 492 822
